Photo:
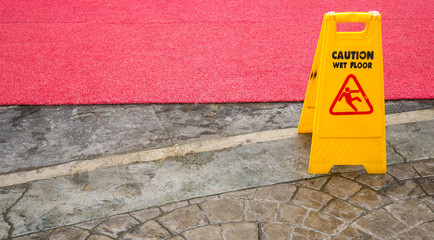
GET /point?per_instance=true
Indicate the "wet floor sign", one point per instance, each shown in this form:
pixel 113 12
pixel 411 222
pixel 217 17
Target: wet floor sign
pixel 344 103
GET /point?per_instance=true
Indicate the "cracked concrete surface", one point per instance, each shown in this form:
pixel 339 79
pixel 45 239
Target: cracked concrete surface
pixel 9 197
pixel 91 195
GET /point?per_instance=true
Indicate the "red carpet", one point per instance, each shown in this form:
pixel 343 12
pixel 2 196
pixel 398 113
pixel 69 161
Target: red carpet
pixel 131 51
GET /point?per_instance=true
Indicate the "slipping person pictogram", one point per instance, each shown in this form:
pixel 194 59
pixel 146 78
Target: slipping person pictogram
pixel 347 93
pixel 349 99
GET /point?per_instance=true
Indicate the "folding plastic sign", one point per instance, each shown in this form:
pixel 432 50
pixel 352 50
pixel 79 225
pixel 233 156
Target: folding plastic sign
pixel 344 103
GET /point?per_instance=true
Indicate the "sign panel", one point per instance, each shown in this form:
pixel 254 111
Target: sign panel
pixel 344 103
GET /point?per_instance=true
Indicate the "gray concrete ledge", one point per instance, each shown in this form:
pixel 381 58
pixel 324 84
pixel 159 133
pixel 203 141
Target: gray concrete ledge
pixel 37 136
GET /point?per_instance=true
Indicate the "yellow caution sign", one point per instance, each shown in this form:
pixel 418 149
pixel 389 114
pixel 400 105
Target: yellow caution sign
pixel 344 103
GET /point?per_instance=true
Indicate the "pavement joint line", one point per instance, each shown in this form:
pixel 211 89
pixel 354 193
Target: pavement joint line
pixel 216 144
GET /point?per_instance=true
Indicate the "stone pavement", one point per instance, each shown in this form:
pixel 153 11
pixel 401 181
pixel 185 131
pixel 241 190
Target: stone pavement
pixel 207 171
pixel 353 205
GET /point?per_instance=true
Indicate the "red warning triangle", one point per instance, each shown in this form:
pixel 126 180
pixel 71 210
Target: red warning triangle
pixel 351 99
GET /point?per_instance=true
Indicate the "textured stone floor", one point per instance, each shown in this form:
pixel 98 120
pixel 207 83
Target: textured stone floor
pixel 207 171
pixel 354 205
